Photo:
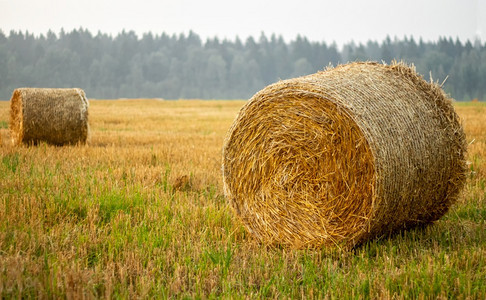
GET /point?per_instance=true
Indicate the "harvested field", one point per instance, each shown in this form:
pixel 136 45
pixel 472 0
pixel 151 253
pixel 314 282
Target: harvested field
pixel 105 220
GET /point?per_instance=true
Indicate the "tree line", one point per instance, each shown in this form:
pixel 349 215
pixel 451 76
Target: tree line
pixel 184 66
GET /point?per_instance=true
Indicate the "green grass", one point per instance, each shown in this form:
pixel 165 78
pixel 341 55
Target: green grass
pixel 10 162
pixel 106 222
pixel 186 244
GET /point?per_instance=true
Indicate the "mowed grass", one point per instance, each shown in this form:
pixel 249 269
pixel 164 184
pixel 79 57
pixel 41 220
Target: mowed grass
pixel 139 212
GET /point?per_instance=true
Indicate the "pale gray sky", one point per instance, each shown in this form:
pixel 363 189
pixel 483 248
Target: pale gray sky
pixel 337 21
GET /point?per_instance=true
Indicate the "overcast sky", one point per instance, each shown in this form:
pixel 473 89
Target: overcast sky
pixel 337 21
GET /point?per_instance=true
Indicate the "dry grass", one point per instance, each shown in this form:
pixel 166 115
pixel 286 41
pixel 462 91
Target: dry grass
pixel 344 155
pixel 55 116
pixel 104 220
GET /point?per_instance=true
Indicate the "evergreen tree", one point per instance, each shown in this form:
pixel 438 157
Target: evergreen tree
pixel 181 66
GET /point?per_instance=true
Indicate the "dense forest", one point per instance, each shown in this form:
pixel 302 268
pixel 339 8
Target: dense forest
pixel 184 66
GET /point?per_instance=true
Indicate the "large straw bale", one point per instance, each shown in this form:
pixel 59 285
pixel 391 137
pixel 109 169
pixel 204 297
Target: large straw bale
pixel 344 155
pixel 55 116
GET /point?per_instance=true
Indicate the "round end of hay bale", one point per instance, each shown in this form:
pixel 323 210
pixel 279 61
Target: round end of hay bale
pixel 293 164
pixel 338 157
pixel 16 117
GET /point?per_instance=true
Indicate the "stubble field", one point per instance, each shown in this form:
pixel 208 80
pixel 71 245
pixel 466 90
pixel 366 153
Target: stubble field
pixel 139 212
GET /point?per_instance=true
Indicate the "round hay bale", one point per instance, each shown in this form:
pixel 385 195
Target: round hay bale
pixel 344 155
pixel 55 116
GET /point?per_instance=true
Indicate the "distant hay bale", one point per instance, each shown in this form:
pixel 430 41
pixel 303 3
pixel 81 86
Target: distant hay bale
pixel 55 116
pixel 344 155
